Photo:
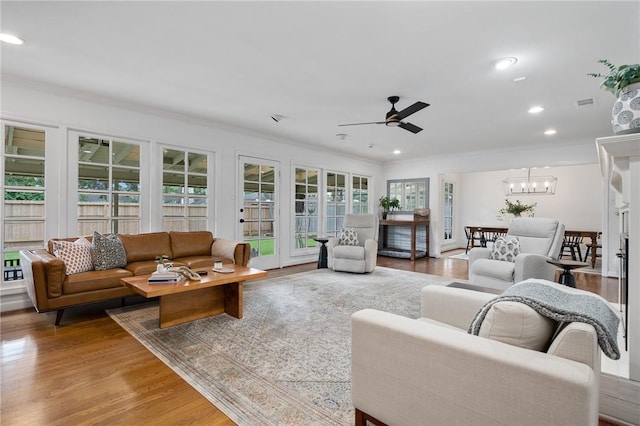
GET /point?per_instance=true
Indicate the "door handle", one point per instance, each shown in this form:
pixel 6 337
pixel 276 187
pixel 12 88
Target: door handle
pixel 241 220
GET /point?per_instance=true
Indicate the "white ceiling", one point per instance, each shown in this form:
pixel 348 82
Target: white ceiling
pixel 320 64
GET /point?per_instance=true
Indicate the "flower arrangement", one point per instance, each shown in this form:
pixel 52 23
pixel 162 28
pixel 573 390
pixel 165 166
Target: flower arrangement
pixel 517 208
pixel 160 260
pixel 618 77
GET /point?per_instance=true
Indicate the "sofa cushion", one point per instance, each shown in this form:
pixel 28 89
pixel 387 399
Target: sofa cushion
pixel 196 243
pixel 505 250
pixel 348 237
pixel 109 252
pixel 224 249
pixel 94 280
pixel 77 255
pixel 493 269
pixel 348 252
pixel 519 325
pixel 140 247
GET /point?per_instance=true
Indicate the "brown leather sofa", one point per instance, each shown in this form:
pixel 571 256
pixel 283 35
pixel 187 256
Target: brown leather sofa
pixel 50 288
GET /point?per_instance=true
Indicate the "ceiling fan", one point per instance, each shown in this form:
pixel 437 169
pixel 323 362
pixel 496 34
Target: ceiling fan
pixel 394 118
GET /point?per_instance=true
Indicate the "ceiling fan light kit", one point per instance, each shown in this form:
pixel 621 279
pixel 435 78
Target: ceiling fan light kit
pixel 394 118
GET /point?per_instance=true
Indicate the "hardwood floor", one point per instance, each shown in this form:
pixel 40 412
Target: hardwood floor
pixel 89 370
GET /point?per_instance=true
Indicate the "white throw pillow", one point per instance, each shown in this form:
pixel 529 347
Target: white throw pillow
pixel 348 237
pixel 77 256
pixel 519 325
pixel 505 250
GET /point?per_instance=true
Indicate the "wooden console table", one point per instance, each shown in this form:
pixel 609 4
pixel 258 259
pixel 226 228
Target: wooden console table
pixel 413 224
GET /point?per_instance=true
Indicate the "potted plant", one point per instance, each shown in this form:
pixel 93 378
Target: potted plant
pixel 388 205
pixel 624 82
pixel 517 208
pixel 160 260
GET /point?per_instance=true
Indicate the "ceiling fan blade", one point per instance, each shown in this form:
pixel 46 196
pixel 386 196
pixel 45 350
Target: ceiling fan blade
pixel 411 109
pixel 358 124
pixel 410 127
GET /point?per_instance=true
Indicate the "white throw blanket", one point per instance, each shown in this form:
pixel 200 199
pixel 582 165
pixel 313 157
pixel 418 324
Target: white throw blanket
pixel 562 304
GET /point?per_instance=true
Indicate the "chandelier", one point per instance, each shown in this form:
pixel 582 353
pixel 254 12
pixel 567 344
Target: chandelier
pixel 531 185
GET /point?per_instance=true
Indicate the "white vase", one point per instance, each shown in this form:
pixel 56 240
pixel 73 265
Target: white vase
pixel 160 268
pixel 625 115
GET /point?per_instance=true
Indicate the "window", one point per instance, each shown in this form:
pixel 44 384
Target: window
pixel 306 207
pixel 360 194
pixel 184 190
pixel 412 193
pixel 23 210
pixel 108 186
pixel 447 215
pixel 336 200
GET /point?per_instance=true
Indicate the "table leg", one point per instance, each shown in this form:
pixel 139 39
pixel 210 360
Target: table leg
pixel 594 249
pixel 322 256
pixel 567 278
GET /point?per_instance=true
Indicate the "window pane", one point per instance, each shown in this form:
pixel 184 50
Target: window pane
pixel 173 160
pixel 86 227
pixel 19 234
pixel 92 150
pixel 93 177
pixel 126 180
pixel 197 163
pixel 126 226
pixel 126 154
pixel 197 185
pixel 197 224
pixel 267 174
pixel 23 172
pixel 22 141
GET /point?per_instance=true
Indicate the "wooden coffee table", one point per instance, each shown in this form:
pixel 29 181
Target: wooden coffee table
pixel 188 300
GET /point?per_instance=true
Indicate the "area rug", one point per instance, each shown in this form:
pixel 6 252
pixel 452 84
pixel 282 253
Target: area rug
pixel 288 361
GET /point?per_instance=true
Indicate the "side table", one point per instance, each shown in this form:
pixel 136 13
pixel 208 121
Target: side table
pixel 566 277
pixel 322 256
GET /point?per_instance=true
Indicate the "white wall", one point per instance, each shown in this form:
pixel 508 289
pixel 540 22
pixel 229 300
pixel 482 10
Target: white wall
pixel 576 187
pixel 577 202
pixel 67 111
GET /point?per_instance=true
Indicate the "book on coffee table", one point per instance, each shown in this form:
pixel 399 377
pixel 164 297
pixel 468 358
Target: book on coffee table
pixel 165 277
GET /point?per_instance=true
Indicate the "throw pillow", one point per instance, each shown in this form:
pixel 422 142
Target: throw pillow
pixel 517 324
pixel 75 255
pixel 109 252
pixel 348 237
pixel 504 249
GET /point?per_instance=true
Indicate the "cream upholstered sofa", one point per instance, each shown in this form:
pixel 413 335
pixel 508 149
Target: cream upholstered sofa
pixel 361 257
pixel 540 239
pixel 430 371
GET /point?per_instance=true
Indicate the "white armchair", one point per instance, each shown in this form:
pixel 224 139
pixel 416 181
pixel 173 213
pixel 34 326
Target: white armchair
pixel 540 240
pixel 430 371
pixel 358 258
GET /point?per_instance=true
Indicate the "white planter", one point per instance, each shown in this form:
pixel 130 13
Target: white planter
pixel 160 268
pixel 625 116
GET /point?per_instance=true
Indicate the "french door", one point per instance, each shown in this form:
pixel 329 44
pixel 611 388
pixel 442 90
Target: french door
pixel 259 210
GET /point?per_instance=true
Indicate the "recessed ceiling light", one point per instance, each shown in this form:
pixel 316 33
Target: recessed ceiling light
pixel 504 63
pixel 535 109
pixel 550 132
pixel 341 136
pixel 11 39
pixel 396 151
pixel 519 79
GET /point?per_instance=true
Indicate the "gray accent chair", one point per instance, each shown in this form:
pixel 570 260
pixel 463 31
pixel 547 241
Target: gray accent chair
pixel 430 371
pixel 361 258
pixel 540 240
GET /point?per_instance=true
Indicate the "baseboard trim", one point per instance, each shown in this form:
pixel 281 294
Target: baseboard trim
pixel 620 399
